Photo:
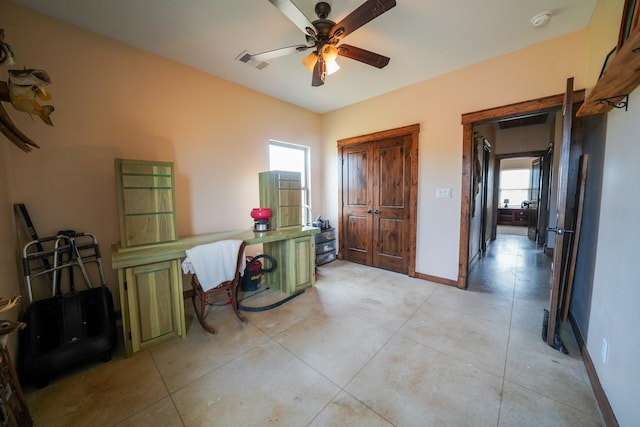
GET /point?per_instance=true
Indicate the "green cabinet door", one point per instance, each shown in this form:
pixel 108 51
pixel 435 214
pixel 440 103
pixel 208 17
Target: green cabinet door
pixel 302 269
pixel 296 263
pixel 156 307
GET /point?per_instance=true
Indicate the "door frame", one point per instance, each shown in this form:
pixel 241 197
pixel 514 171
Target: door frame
pixel 496 181
pixel 468 120
pixel 413 131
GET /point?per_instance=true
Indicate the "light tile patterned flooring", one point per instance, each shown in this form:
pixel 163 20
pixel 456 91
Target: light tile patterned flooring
pixel 365 347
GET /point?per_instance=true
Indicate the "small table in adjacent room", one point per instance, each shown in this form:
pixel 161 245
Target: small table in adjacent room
pixel 513 216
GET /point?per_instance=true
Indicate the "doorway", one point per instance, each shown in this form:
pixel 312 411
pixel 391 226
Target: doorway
pixel 522 187
pixel 469 122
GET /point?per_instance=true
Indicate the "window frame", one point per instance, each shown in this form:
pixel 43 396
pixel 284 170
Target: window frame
pixel 501 189
pixel 306 188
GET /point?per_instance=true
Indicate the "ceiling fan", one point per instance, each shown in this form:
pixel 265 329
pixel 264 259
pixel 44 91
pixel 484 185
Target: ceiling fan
pixel 323 35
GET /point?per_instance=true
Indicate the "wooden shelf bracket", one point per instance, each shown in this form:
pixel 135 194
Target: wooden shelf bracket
pixel 621 101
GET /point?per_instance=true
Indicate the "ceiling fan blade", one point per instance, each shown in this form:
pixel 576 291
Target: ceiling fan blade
pixel 366 12
pixel 362 55
pixel 276 53
pixel 295 15
pixel 318 73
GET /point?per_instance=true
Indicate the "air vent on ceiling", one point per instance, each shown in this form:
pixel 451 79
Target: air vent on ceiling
pixel 246 58
pixel 517 122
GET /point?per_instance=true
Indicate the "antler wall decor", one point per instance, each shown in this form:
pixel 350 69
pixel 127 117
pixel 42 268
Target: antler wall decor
pixel 22 90
pixel 8 326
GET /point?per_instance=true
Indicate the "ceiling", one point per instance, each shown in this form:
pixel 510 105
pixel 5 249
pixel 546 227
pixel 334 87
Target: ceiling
pixel 423 38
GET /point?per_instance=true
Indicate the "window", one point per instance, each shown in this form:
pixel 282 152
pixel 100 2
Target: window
pixel 514 186
pixel 291 157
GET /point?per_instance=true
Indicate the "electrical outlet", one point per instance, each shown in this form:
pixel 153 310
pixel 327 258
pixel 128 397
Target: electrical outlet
pixel 604 351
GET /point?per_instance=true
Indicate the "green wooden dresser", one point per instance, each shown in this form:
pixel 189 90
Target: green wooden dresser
pixel 149 252
pixel 150 288
pixel 151 282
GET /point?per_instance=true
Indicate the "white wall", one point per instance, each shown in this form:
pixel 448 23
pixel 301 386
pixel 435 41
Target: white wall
pixel 615 312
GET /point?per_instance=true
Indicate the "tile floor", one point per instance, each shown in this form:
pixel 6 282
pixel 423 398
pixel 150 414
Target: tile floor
pixel 365 347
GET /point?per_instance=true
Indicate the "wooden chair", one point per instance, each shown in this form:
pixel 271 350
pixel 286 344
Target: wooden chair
pixel 224 292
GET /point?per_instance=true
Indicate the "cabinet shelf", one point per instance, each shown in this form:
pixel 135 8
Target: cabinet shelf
pixel 619 79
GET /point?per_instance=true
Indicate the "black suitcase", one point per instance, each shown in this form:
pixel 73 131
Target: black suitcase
pixel 65 329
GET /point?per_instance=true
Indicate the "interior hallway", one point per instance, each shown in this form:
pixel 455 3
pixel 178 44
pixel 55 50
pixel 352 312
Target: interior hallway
pixel 365 347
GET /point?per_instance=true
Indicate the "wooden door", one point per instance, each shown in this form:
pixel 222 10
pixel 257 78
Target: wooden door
pixel 379 183
pixel 561 215
pixel 390 203
pixel 534 199
pixel 357 199
pixel 545 194
pixel 485 223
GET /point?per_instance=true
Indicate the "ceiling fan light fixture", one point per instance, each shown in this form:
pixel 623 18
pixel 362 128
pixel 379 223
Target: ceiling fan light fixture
pixel 331 67
pixel 329 52
pixel 310 61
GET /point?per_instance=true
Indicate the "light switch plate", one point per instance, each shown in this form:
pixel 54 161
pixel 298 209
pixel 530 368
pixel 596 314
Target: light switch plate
pixel 443 193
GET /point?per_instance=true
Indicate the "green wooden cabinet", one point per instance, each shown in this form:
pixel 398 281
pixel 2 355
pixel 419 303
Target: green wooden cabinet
pixel 149 253
pixel 150 278
pixel 281 191
pixel 296 265
pixel 303 268
pixel 146 202
pixel 151 286
pixel 152 304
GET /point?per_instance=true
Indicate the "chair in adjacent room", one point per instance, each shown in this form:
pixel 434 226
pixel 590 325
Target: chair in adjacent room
pixel 216 269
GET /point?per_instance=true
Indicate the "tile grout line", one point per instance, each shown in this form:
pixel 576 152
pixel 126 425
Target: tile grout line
pixel 506 358
pixel 393 335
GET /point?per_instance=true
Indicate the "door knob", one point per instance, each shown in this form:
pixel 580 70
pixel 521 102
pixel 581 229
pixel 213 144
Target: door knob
pixel 559 231
pixel 376 211
pixel 369 211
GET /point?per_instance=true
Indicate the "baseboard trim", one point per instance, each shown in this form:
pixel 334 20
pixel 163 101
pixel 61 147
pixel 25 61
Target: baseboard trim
pixel 601 397
pixel 437 279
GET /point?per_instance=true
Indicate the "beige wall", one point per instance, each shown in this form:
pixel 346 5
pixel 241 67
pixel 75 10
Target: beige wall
pixel 516 163
pixel 437 105
pixel 113 101
pixel 602 36
pixel 523 139
pixel 9 275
